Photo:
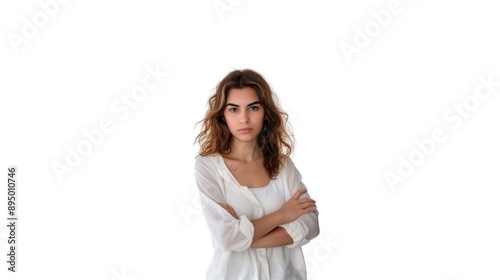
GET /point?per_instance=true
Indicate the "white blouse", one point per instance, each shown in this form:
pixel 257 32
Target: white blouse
pixel 233 258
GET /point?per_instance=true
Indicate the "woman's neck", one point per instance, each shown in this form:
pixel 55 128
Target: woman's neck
pixel 244 151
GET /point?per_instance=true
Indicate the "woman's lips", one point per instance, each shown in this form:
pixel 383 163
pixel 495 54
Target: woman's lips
pixel 245 130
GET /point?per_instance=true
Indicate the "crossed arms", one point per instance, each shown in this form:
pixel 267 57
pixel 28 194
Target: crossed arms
pixel 267 230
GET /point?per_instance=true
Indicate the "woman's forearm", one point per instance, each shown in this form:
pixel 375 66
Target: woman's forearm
pixel 275 238
pixel 262 225
pixel 266 224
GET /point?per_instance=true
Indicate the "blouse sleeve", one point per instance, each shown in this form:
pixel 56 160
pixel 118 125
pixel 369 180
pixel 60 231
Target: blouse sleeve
pixel 306 227
pixel 227 233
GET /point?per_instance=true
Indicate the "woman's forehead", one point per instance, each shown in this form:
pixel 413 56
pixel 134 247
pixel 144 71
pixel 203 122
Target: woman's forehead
pixel 242 97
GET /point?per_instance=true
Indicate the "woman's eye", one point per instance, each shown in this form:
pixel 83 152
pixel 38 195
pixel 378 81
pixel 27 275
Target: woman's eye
pixel 254 108
pixel 232 110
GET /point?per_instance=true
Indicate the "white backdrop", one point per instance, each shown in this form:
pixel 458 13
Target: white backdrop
pixel 394 105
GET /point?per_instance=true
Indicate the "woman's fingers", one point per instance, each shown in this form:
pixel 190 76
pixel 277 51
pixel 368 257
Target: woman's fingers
pixel 306 201
pixel 298 193
pixel 229 209
pixel 225 206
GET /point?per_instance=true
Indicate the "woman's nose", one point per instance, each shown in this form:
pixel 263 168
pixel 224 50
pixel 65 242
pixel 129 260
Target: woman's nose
pixel 244 118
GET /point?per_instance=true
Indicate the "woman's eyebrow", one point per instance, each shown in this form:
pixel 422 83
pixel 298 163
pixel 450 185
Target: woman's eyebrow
pixel 235 105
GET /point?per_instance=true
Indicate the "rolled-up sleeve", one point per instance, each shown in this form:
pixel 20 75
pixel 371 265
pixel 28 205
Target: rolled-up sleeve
pixel 306 227
pixel 228 233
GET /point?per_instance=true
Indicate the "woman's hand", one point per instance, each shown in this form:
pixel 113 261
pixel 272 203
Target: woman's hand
pixel 229 209
pixel 295 207
pixel 290 211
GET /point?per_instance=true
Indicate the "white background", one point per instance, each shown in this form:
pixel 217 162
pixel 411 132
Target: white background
pixel 128 210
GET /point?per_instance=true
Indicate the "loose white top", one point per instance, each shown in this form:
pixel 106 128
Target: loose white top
pixel 233 258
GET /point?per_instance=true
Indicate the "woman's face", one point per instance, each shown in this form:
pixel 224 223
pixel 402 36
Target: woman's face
pixel 244 114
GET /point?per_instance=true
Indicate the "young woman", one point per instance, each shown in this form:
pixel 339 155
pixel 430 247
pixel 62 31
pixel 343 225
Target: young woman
pixel 256 207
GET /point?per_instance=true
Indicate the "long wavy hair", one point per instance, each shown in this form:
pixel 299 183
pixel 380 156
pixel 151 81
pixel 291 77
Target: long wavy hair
pixel 274 140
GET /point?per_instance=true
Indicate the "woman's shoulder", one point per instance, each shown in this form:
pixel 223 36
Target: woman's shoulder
pixel 207 157
pixel 287 164
pixel 206 160
pixel 288 160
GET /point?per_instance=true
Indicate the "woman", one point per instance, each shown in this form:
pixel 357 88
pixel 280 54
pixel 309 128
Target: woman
pixel 256 207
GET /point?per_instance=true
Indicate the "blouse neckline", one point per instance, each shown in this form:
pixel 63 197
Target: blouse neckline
pixel 223 163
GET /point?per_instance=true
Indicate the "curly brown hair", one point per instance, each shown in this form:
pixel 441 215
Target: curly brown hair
pixel 274 140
